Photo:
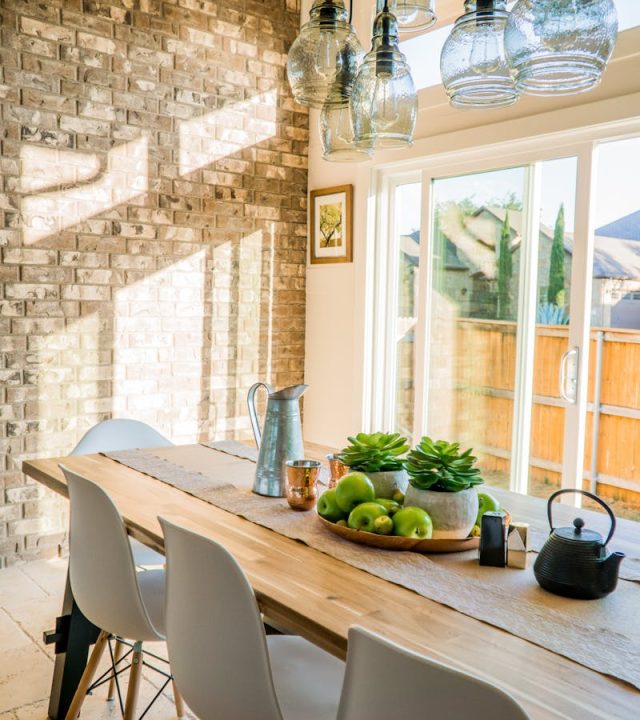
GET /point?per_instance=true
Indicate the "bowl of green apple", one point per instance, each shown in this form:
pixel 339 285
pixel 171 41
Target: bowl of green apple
pixel 445 517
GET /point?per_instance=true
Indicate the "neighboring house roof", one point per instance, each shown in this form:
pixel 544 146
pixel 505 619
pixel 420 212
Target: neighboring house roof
pixel 470 244
pixel 625 228
pixel 616 257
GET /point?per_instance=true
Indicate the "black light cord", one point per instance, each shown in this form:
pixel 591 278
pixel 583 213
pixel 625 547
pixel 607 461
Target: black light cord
pixel 350 10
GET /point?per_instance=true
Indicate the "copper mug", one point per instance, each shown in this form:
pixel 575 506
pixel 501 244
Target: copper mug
pixel 338 469
pixel 302 483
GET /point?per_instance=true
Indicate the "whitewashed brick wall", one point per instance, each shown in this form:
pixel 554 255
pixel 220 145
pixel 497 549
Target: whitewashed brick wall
pixel 152 227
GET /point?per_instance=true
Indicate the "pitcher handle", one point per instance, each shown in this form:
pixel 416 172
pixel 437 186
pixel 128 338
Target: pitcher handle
pixel 253 416
pixel 597 499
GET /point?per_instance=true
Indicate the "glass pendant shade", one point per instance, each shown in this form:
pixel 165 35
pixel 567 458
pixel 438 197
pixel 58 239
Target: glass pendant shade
pixel 560 47
pixel 384 103
pixel 324 58
pixel 336 135
pixel 473 63
pixel 413 15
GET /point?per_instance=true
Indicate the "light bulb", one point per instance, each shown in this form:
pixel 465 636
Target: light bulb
pixel 486 53
pixel 557 31
pixel 405 13
pixel 328 55
pixel 344 125
pixel 385 110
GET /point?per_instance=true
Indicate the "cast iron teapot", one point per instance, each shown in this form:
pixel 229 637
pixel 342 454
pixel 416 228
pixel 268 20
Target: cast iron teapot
pixel 574 561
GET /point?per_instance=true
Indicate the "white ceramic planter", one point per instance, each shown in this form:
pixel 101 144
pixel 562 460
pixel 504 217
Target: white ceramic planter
pixel 453 513
pixel 388 481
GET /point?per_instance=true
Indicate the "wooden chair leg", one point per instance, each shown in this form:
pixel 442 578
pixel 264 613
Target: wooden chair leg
pixel 177 699
pixel 134 682
pixel 87 676
pixel 117 654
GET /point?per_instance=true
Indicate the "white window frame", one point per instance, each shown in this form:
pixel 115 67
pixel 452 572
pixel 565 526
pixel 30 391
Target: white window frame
pixel 531 152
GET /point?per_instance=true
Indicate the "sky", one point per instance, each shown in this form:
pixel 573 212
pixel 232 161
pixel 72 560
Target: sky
pixel 617 187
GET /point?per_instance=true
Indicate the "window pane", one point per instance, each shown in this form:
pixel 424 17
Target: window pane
pixel 477 228
pixel 407 214
pixel 555 253
pixel 612 456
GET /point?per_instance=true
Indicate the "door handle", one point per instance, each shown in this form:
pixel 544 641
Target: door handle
pixel 569 366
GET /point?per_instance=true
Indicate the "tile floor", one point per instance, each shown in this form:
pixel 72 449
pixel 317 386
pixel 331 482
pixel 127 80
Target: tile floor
pixel 30 600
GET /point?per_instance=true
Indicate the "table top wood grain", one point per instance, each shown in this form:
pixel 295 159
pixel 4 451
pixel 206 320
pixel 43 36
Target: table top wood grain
pixel 320 597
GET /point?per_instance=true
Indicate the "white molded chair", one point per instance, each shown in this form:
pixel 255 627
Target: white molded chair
pixel 384 680
pixel 110 593
pixel 124 434
pixel 223 663
pixel 119 434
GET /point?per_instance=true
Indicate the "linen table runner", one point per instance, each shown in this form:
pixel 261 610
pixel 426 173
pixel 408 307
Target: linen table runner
pixel 601 635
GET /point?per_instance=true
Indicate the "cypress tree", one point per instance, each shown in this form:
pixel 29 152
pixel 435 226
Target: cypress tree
pixel 505 271
pixel 556 263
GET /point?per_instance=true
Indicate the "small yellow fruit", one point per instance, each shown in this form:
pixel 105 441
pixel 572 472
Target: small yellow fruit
pixel 383 525
pixel 475 531
pixel 398 496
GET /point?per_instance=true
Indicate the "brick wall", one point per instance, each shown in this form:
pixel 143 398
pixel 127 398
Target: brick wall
pixel 152 227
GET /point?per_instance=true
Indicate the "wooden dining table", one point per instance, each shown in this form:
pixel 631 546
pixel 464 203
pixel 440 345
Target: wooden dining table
pixel 309 593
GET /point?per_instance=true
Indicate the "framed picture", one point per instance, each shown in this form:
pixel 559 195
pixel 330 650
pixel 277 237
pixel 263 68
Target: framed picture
pixel 331 219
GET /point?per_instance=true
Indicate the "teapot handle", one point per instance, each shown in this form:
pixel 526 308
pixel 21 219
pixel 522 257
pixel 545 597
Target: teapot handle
pixel 589 495
pixel 253 415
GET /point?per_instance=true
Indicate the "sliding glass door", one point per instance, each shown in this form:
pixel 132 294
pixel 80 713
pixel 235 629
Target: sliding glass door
pixel 489 293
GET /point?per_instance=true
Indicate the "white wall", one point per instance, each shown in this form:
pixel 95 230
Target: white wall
pixel 339 296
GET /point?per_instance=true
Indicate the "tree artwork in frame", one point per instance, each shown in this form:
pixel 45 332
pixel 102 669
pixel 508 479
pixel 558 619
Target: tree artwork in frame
pixel 331 223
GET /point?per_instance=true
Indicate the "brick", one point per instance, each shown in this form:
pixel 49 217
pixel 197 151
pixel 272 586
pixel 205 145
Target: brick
pixel 110 299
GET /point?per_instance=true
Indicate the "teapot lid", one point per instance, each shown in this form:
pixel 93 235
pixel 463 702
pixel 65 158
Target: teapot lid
pixel 578 533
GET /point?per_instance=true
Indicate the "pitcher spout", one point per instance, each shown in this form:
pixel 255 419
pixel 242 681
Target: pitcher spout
pixel 289 393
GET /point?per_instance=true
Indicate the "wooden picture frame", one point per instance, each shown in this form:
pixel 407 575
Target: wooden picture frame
pixel 331 225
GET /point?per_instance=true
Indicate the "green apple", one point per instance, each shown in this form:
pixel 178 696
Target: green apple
pixel 342 523
pixel 391 505
pixel 486 503
pixel 398 496
pixel 363 516
pixel 475 531
pixel 383 525
pixel 328 507
pixel 353 489
pixel 412 522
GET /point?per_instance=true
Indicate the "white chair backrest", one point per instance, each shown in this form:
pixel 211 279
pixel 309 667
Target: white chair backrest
pixel 384 680
pixel 119 434
pixel 215 637
pixel 101 566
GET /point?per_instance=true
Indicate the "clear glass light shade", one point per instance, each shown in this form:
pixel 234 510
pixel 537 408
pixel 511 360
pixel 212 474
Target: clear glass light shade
pixel 324 58
pixel 413 15
pixel 384 103
pixel 560 47
pixel 473 63
pixel 336 135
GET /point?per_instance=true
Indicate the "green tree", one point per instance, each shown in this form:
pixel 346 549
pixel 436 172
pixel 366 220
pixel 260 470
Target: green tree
pixel 505 271
pixel 330 225
pixel 555 293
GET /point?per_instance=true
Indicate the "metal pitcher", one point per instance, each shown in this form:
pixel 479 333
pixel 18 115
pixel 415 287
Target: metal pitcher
pixel 280 439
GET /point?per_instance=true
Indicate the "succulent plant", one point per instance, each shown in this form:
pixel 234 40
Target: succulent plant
pixel 549 314
pixel 439 465
pixel 375 453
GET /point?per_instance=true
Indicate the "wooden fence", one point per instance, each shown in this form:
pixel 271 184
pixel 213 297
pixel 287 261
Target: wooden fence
pixel 484 356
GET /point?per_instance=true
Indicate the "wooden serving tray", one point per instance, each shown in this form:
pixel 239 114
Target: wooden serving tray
pixel 393 542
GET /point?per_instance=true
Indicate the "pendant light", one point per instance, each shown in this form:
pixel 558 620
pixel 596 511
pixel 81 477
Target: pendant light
pixel 324 58
pixel 560 47
pixel 473 63
pixel 336 135
pixel 384 102
pixel 413 15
